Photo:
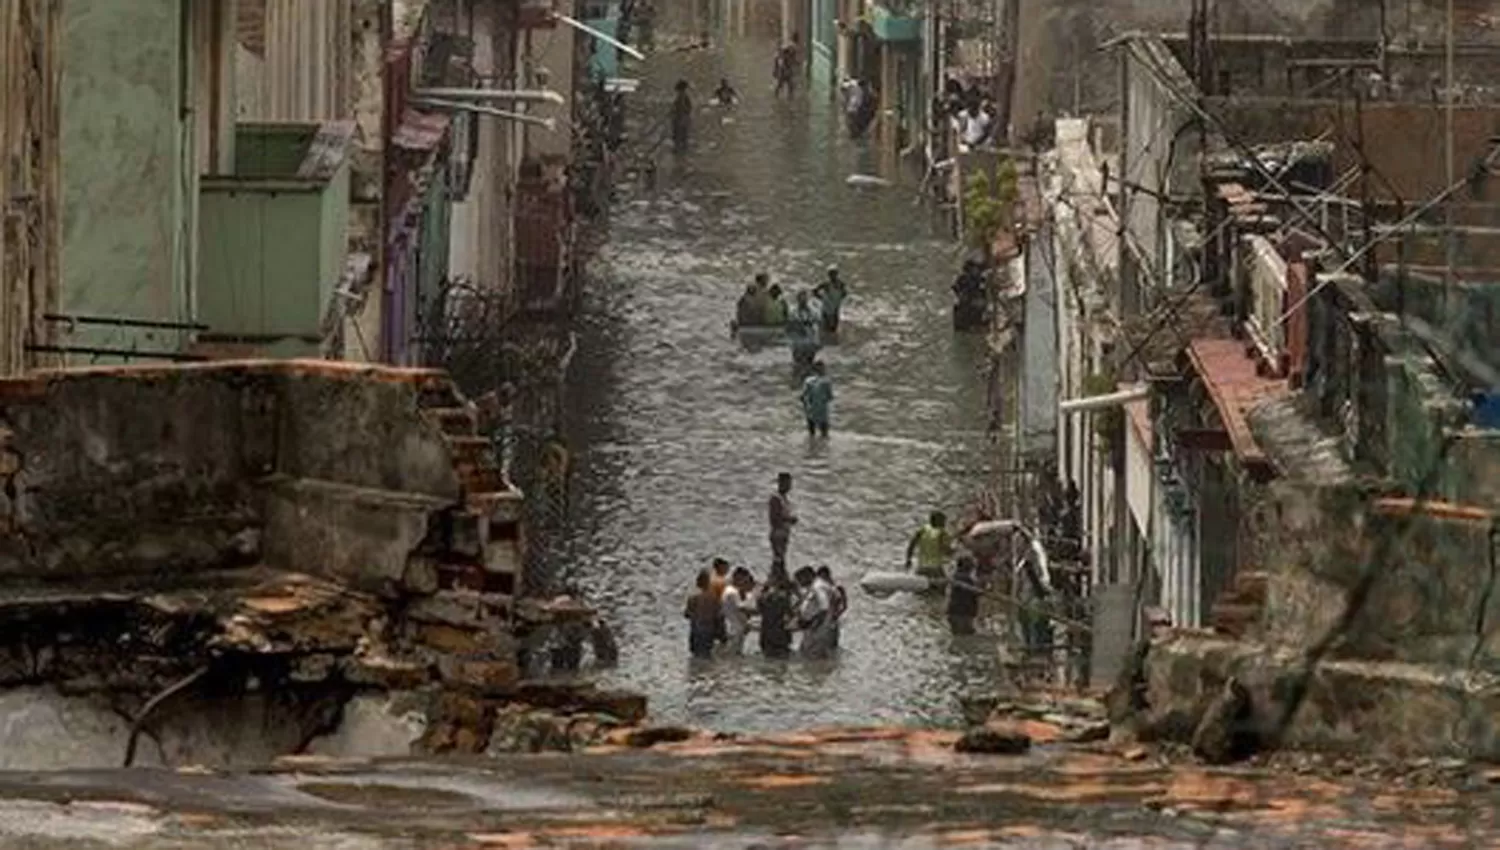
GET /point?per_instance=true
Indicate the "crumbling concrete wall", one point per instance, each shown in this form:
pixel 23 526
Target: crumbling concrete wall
pixel 1420 587
pixel 1363 708
pixel 159 471
pixel 117 476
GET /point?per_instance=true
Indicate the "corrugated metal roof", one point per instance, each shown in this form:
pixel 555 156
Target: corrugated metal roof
pixel 1235 386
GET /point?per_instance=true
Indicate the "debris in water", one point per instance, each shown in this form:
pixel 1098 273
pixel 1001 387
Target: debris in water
pixel 867 180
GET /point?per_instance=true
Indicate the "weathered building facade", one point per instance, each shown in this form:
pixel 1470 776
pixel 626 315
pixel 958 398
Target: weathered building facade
pixel 1275 403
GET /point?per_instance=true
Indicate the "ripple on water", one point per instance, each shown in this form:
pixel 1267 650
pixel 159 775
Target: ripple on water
pixel 681 432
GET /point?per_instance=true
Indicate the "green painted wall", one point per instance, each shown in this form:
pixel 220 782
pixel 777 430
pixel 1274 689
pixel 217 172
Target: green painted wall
pixel 271 254
pixel 127 200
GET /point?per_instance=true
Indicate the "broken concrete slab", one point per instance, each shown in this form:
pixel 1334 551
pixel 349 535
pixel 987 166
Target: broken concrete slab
pixel 1370 708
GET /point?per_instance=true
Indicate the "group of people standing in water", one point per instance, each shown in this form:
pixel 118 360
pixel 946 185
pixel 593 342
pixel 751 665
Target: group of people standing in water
pixel 805 608
pixel 763 305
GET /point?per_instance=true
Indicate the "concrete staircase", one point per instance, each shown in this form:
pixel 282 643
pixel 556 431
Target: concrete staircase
pixel 484 537
pixel 1238 611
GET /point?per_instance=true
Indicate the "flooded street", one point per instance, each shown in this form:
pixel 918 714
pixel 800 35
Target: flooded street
pixel 680 432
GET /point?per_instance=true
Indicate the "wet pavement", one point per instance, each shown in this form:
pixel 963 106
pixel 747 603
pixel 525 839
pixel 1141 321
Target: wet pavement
pixel 680 431
pixel 830 788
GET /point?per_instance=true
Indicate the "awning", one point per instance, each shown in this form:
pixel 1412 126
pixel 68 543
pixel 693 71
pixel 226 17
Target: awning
pixel 1233 382
pixel 420 131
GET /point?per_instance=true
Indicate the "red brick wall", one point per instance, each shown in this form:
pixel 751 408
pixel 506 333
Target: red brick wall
pixel 1404 141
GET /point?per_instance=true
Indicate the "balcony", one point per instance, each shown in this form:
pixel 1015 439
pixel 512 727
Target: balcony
pixel 272 239
pixel 896 23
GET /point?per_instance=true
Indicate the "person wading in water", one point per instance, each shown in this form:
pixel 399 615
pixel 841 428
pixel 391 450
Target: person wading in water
pixel 736 607
pixel 815 615
pixel 932 546
pixel 774 605
pixel 831 294
pixel 817 398
pixel 682 118
pixel 963 597
pixel 782 516
pixel 785 68
pixel 702 613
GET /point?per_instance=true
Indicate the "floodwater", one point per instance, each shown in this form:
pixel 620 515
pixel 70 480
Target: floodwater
pixel 679 432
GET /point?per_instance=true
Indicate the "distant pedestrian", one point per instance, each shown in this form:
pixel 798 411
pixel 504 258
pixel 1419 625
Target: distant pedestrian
pixel 725 95
pixel 831 294
pixel 782 516
pixel 785 67
pixel 682 118
pixel 817 398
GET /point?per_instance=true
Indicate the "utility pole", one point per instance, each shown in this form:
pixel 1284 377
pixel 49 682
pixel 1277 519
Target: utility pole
pixel 1007 21
pixel 1452 242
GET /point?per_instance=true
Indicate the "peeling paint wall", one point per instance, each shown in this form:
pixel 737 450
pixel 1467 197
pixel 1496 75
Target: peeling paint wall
pixel 128 180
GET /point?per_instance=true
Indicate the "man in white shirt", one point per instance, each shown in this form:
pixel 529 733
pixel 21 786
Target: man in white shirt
pixel 736 606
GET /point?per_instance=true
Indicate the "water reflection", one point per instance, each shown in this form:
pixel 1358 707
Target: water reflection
pixel 681 432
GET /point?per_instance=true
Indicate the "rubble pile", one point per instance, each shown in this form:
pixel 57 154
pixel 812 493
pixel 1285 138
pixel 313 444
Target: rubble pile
pixel 536 717
pixel 1041 718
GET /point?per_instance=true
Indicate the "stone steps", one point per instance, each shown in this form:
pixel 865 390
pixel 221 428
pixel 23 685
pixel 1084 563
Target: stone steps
pixel 470 449
pixel 485 541
pixel 1239 609
pixel 459 421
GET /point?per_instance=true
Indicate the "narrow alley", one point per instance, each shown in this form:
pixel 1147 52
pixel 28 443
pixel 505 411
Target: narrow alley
pixel 681 431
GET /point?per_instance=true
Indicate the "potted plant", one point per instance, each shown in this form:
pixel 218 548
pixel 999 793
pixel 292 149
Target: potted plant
pixel 989 206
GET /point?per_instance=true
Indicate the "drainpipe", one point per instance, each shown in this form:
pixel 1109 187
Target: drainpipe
pixel 187 233
pixel 517 95
pixel 382 213
pixel 1101 402
pixel 548 124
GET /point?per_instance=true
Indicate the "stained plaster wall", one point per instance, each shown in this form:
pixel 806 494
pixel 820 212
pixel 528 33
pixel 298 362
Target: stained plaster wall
pixel 128 181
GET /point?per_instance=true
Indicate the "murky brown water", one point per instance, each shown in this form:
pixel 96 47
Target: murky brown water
pixel 680 432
